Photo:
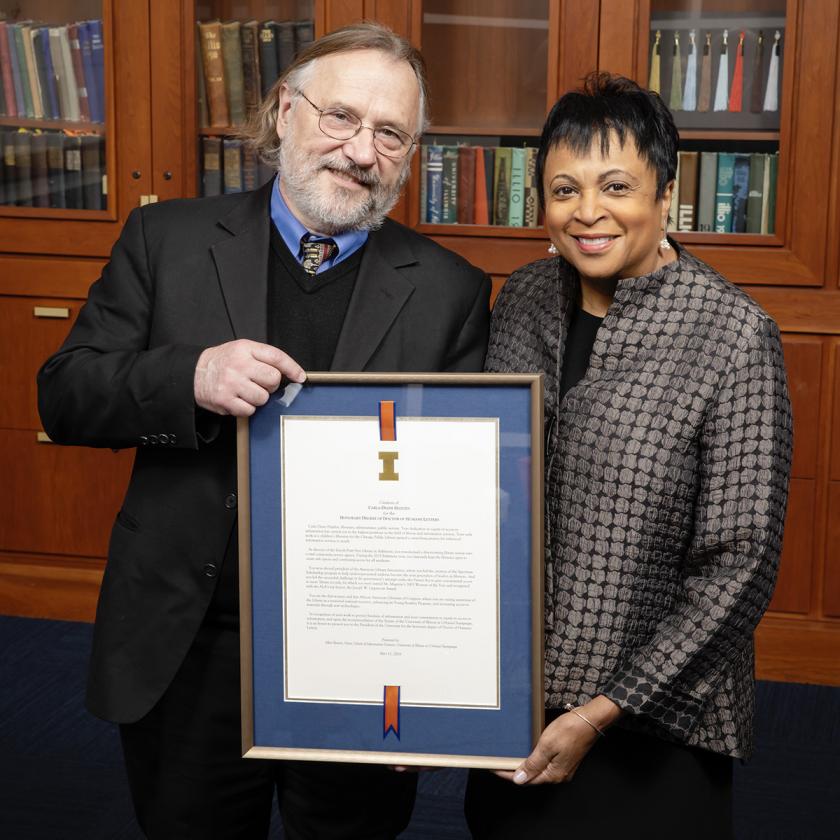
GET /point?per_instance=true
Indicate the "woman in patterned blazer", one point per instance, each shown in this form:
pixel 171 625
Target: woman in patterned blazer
pixel 668 446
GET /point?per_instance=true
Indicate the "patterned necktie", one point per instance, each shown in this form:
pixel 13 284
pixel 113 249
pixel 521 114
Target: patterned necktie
pixel 314 252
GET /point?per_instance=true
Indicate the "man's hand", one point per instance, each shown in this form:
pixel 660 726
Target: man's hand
pixel 238 377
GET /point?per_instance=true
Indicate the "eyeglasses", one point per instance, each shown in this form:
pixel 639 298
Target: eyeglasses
pixel 342 125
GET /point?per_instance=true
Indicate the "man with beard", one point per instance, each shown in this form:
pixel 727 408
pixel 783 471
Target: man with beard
pixel 204 308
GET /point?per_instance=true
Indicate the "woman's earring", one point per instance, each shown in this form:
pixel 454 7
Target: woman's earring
pixel 664 244
pixel 552 249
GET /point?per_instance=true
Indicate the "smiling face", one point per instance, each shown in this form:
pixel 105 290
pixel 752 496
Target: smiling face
pixel 601 211
pixel 338 185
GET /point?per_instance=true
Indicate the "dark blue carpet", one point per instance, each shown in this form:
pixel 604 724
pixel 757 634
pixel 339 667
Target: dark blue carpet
pixel 61 775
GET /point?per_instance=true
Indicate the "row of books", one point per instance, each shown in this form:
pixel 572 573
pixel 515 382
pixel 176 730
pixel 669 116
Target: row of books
pixel 229 166
pixel 53 169
pixel 723 192
pixel 52 72
pixel 479 185
pixel 239 62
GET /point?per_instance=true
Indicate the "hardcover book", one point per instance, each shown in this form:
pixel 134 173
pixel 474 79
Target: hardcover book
pixel 532 198
pixel 214 73
pixel 773 169
pixel 46 84
pixel 232 165
pixel 73 193
pixel 14 66
pixel 40 186
pixel 723 193
pixel 6 71
pixel 284 35
pixel 675 200
pixel 466 185
pixel 755 199
pixel 67 79
pixel 55 169
pixel 516 209
pixel 687 208
pixel 434 185
pixel 97 106
pixel 232 64
pixel 449 211
pixel 10 166
pixel 268 56
pixel 32 71
pixel 480 202
pixel 78 72
pixel 19 57
pixel 501 186
pixel 23 163
pixel 92 172
pixel 249 34
pixel 424 162
pixel 740 192
pixel 708 190
pixel 211 166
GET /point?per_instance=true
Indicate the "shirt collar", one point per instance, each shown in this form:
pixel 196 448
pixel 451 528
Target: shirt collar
pixel 292 231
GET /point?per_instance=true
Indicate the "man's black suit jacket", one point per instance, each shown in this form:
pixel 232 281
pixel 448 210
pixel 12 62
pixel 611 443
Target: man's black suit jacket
pixel 184 276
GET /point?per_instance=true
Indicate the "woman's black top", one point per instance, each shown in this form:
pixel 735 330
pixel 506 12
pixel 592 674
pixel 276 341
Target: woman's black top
pixel 582 331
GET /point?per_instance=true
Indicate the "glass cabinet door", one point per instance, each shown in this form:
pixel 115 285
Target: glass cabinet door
pixel 718 66
pixel 240 49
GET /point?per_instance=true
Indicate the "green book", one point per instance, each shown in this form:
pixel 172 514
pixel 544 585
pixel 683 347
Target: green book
pixel 707 190
pixel 723 193
pixel 234 79
pixel 449 213
pixel 773 170
pixel 532 200
pixel 501 186
pixel 755 196
pixel 23 70
pixel 516 204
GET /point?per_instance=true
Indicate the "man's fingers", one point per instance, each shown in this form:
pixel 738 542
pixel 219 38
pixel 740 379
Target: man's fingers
pixel 279 360
pixel 266 376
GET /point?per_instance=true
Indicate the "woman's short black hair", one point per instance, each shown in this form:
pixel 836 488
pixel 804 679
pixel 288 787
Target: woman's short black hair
pixel 607 103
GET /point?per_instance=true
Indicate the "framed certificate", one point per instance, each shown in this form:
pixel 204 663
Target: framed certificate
pixel 390 550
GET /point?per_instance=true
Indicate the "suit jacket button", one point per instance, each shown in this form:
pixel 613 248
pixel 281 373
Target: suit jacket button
pixel 210 570
pixel 230 501
pixel 144 441
pixel 172 440
pixel 153 439
pixel 164 439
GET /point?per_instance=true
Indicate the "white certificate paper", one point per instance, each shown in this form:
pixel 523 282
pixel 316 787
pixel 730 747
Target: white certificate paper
pixel 391 560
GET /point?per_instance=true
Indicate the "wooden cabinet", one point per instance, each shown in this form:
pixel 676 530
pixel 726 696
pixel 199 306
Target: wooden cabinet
pixel 494 68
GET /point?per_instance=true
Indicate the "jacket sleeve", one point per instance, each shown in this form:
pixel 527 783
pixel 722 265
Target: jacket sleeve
pixel 471 345
pixel 106 386
pixel 733 556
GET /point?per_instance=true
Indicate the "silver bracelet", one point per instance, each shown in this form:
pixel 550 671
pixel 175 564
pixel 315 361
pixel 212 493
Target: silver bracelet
pixel 570 708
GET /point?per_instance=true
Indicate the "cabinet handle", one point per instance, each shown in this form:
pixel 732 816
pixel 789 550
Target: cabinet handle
pixel 51 312
pixel 148 199
pixel 43 437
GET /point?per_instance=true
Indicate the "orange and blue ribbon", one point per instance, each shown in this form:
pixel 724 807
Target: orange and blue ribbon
pixel 387 420
pixel 391 711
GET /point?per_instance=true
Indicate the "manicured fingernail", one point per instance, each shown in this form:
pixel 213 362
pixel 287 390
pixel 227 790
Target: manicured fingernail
pixel 520 777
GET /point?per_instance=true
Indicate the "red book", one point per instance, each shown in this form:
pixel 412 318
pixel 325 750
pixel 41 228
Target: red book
pixel 480 212
pixel 79 72
pixel 6 70
pixel 466 185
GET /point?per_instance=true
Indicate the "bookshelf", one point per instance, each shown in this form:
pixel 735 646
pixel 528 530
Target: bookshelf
pixel 496 66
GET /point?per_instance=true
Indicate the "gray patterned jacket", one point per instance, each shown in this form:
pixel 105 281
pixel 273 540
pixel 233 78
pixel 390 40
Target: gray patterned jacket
pixel 666 486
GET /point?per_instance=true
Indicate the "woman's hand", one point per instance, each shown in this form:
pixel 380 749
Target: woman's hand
pixel 563 744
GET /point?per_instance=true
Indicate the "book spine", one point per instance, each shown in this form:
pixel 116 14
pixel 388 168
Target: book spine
pixel 250 167
pixel 501 186
pixel 23 73
pixel 532 196
pixel 304 35
pixel 97 49
pixel 723 193
pixel 285 44
pixel 214 73
pixel 250 65
pixel 424 176
pixel 490 182
pixel 773 164
pixel 40 187
pixel 755 199
pixel 10 166
pixel 740 192
pixel 55 169
pixel 37 36
pixel 44 59
pixel 268 57
pixel 480 214
pixel 516 212
pixel 434 185
pixel 232 165
pixel 201 88
pixel 14 64
pixel 232 63
pixel 79 72
pixel 3 175
pixel 23 162
pixel 91 172
pixel 708 188
pixel 466 185
pixel 450 185
pixel 211 169
pixel 675 200
pixel 58 71
pixel 69 75
pixel 95 104
pixel 73 195
pixel 6 71
pixel 32 72
pixel 687 210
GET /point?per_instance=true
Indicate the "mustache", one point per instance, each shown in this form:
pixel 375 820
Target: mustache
pixel 363 176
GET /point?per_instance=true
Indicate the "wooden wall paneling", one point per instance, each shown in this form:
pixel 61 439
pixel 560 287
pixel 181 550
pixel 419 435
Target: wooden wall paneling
pixel 622 45
pixel 831 569
pixel 44 277
pixel 41 586
pixel 393 13
pixel 798 650
pixel 58 499
pixel 578 42
pixel 28 337
pixel 174 100
pixel 803 360
pixel 800 310
pixel 339 13
pixel 496 256
pixel 834 391
pixel 794 584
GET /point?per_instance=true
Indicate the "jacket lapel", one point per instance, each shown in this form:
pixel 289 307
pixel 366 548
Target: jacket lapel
pixel 242 264
pixel 380 293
